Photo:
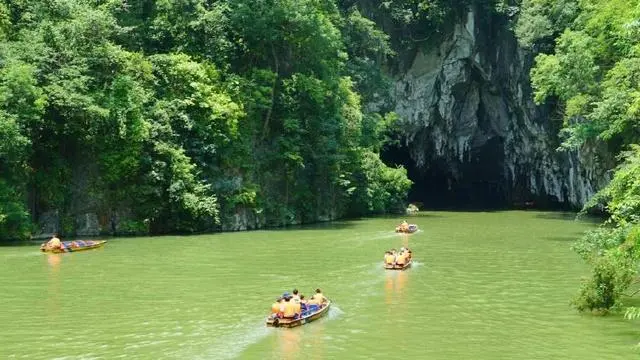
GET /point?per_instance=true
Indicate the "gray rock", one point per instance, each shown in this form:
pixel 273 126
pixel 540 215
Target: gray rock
pixel 48 224
pixel 87 225
pixel 244 219
pixel 472 94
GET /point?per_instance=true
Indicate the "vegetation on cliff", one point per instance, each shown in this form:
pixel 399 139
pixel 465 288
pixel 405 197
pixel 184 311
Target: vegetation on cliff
pixel 589 65
pixel 180 113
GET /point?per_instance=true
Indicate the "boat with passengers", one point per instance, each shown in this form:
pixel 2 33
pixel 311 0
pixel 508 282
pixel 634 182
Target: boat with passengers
pixel 397 260
pixel 406 228
pixel 291 311
pixel 72 246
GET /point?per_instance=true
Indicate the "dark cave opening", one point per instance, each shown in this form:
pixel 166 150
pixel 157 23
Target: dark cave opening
pixel 480 183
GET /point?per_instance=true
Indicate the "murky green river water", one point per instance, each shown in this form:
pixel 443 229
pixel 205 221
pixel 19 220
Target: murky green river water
pixel 491 285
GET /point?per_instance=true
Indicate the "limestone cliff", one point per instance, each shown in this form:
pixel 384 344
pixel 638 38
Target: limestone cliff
pixel 468 112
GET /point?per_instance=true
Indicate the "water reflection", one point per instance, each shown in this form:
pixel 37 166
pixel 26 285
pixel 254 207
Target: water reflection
pixel 395 283
pixel 304 341
pixel 405 239
pixel 54 262
pixel 53 288
pixel 289 340
pixel 315 336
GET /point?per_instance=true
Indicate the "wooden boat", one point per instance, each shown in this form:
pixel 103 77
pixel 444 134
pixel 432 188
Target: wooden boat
pixel 398 267
pixel 306 318
pixel 410 229
pixel 73 246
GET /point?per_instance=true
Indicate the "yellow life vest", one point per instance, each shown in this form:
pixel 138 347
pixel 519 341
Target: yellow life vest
pixel 388 259
pixel 289 309
pixel 275 308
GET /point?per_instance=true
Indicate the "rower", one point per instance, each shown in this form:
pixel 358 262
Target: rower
pixel 318 298
pixel 54 243
pixel 388 258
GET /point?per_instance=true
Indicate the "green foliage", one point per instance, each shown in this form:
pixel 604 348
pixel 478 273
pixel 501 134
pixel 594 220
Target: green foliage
pixel 632 313
pixel 612 274
pixel 614 249
pixel 593 69
pixel 15 222
pixel 5 21
pixel 133 227
pixel 184 111
pixel 381 185
pixel 367 47
pixel 539 20
pixel 571 72
pixel 622 195
pixel 592 74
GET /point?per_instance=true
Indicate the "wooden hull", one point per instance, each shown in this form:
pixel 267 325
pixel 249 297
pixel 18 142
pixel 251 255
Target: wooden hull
pixel 398 267
pixel 289 323
pixel 410 230
pixel 74 246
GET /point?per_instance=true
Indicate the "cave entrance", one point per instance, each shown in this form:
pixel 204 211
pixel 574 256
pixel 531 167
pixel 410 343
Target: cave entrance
pixel 478 183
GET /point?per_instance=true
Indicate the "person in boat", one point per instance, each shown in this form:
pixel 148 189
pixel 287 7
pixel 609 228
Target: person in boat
pixel 318 298
pixel 303 304
pixel 53 243
pixel 389 259
pixel 401 259
pixel 296 297
pixel 275 308
pixel 403 252
pixel 290 308
pixel 282 304
pixel 408 252
pixel 297 307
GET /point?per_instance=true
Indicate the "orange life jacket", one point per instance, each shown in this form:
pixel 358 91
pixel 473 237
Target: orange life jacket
pixel 289 309
pixel 275 308
pixel 388 259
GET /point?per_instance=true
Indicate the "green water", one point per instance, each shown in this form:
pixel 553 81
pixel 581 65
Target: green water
pixel 483 286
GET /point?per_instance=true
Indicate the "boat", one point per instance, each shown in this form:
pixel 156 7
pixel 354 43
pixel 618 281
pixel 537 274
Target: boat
pixel 304 319
pixel 73 246
pixel 398 267
pixel 410 229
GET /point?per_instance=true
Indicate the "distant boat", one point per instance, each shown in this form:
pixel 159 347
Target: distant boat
pixel 73 246
pixel 306 317
pixel 410 229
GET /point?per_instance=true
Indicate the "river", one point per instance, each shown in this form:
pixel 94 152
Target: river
pixel 484 285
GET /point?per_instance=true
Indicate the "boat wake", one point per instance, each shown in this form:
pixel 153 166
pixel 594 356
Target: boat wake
pixel 22 255
pixel 232 345
pixel 334 312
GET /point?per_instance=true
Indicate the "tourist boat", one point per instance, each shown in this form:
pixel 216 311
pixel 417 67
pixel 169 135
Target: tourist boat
pixel 410 229
pixel 305 318
pixel 397 267
pixel 73 246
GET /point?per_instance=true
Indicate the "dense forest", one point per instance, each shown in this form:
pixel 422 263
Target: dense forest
pixel 588 64
pixel 178 115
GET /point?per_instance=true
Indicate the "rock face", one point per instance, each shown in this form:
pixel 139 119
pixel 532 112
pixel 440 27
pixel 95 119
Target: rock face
pixel 243 219
pixel 470 119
